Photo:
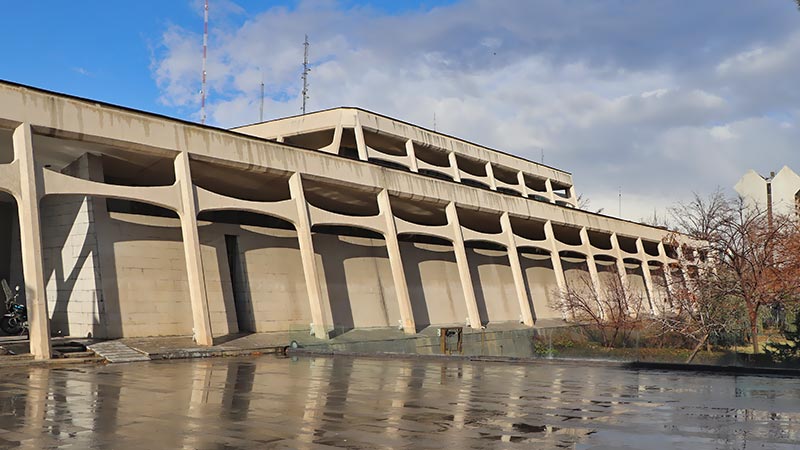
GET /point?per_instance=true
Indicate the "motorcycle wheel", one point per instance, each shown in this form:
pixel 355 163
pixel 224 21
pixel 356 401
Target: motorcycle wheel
pixel 11 326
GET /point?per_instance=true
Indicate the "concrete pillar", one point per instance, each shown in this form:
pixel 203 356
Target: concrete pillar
pixel 591 265
pixel 191 249
pixel 551 196
pixel 665 267
pixel 454 166
pixel 555 258
pixel 523 187
pixel 516 271
pixel 412 156
pixel 396 264
pixel 474 317
pixel 623 273
pixel 306 244
pixel 648 280
pixel 490 176
pixel 573 198
pixel 30 235
pixel 361 142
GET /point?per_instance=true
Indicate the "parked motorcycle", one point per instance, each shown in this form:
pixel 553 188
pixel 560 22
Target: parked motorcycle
pixel 15 320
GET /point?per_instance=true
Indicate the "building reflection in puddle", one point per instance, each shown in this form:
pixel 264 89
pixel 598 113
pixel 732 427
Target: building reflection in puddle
pixel 310 403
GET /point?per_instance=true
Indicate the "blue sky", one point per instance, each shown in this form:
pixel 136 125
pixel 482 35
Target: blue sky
pixel 658 97
pixel 103 49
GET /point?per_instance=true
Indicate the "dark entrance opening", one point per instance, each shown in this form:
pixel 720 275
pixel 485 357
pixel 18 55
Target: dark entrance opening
pixel 241 301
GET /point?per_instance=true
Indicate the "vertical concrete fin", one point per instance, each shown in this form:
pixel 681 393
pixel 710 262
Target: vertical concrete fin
pixel 361 142
pixel 648 279
pixel 551 196
pixel 412 156
pixel 306 244
pixel 523 187
pixel 454 166
pixel 396 264
pixel 490 176
pixel 555 258
pixel 31 242
pixel 516 271
pixel 591 265
pixel 198 295
pixel 473 315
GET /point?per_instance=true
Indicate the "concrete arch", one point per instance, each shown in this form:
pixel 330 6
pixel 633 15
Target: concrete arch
pixel 211 201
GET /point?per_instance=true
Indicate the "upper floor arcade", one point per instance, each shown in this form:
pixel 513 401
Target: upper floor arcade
pixel 366 136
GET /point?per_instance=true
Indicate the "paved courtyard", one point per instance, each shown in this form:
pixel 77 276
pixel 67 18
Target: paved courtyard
pixel 268 402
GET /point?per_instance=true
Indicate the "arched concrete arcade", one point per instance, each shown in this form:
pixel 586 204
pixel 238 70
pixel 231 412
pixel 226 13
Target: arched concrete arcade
pixel 131 224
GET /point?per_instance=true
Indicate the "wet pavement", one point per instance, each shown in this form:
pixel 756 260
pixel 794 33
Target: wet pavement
pixel 268 402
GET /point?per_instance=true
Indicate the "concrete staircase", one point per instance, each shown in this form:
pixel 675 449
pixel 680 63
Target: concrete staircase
pixel 117 352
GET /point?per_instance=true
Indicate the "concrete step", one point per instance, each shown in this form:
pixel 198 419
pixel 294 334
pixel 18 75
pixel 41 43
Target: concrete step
pixel 117 352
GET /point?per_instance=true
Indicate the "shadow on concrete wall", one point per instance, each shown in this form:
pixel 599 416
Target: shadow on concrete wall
pixel 342 295
pixel 413 257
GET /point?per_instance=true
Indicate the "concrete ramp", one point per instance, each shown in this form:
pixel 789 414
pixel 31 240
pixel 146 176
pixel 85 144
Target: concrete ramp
pixel 117 352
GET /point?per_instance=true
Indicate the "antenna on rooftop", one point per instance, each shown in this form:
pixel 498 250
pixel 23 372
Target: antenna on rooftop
pixel 261 110
pixel 434 121
pixel 620 201
pixel 542 150
pixel 306 70
pixel 205 53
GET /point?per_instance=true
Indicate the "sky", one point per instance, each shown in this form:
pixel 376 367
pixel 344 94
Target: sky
pixel 656 99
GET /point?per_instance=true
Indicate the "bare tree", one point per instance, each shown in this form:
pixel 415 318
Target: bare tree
pixel 695 309
pixel 614 309
pixel 753 254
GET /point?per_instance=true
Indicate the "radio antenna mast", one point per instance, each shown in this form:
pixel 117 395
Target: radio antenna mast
pixel 205 53
pixel 261 110
pixel 306 70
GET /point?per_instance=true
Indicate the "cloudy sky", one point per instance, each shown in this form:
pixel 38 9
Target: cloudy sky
pixel 656 98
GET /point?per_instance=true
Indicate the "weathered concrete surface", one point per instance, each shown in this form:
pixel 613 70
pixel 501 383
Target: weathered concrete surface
pixel 257 403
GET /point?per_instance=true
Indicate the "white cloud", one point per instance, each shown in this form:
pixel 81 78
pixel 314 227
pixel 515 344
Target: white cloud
pixel 620 96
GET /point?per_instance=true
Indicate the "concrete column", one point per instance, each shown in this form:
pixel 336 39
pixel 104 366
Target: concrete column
pixel 396 264
pixel 490 176
pixel 303 226
pixel 361 142
pixel 555 258
pixel 191 249
pixel 573 199
pixel 523 187
pixel 591 265
pixel 623 273
pixel 454 166
pixel 30 235
pixel 665 267
pixel 516 271
pixel 551 196
pixel 336 144
pixel 648 280
pixel 412 156
pixel 474 317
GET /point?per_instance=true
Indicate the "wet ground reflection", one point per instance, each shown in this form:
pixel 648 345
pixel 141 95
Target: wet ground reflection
pixel 366 403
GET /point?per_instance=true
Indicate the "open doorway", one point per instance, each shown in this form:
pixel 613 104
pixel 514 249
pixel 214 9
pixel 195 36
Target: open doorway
pixel 245 318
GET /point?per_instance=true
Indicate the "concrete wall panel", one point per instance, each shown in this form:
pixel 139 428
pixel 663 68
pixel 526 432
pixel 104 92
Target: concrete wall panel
pixel 493 285
pixel 434 284
pixel 542 285
pixel 358 281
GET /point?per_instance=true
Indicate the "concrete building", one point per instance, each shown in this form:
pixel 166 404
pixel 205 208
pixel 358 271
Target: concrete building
pixel 779 193
pixel 124 223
